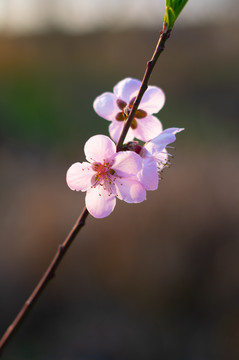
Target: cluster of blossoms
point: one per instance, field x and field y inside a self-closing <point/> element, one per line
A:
<point x="126" y="174"/>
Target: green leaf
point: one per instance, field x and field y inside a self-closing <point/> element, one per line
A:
<point x="172" y="11"/>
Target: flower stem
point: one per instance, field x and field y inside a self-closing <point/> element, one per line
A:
<point x="164" y="35"/>
<point x="62" y="249"/>
<point x="48" y="275"/>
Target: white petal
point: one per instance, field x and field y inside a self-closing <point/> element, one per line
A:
<point x="115" y="130"/>
<point x="99" y="148"/>
<point x="149" y="173"/>
<point x="153" y="100"/>
<point x="78" y="176"/>
<point x="105" y="106"/>
<point x="127" y="163"/>
<point x="126" y="89"/>
<point x="130" y="190"/>
<point x="173" y="130"/>
<point x="148" y="128"/>
<point x="158" y="143"/>
<point x="99" y="203"/>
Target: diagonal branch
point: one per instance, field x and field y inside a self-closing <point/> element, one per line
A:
<point x="62" y="249"/>
<point x="164" y="35"/>
<point x="48" y="275"/>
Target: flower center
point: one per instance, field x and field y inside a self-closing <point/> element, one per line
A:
<point x="125" y="111"/>
<point x="103" y="173"/>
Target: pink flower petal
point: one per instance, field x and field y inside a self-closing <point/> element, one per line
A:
<point x="173" y="130"/>
<point x="130" y="190"/>
<point x="99" y="203"/>
<point x="99" y="148"/>
<point x="115" y="130"/>
<point x="148" y="128"/>
<point x="158" y="143"/>
<point x="126" y="89"/>
<point x="127" y="163"/>
<point x="78" y="176"/>
<point x="153" y="100"/>
<point x="105" y="106"/>
<point x="149" y="173"/>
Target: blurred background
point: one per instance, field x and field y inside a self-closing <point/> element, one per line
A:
<point x="158" y="280"/>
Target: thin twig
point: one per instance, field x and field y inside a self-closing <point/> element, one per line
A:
<point x="62" y="249"/>
<point x="164" y="35"/>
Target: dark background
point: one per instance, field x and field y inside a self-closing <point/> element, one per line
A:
<point x="157" y="280"/>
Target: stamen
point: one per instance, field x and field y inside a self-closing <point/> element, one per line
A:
<point x="140" y="114"/>
<point x="121" y="104"/>
<point x="126" y="111"/>
<point x="134" y="124"/>
<point x="120" y="116"/>
<point x="104" y="176"/>
<point x="172" y="156"/>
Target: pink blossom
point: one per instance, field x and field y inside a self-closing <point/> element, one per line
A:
<point x="107" y="174"/>
<point x="155" y="157"/>
<point x="116" y="106"/>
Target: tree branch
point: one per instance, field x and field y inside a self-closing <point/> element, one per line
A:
<point x="164" y="35"/>
<point x="48" y="275"/>
<point x="62" y="249"/>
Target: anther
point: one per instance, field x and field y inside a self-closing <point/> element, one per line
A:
<point x="121" y="104"/>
